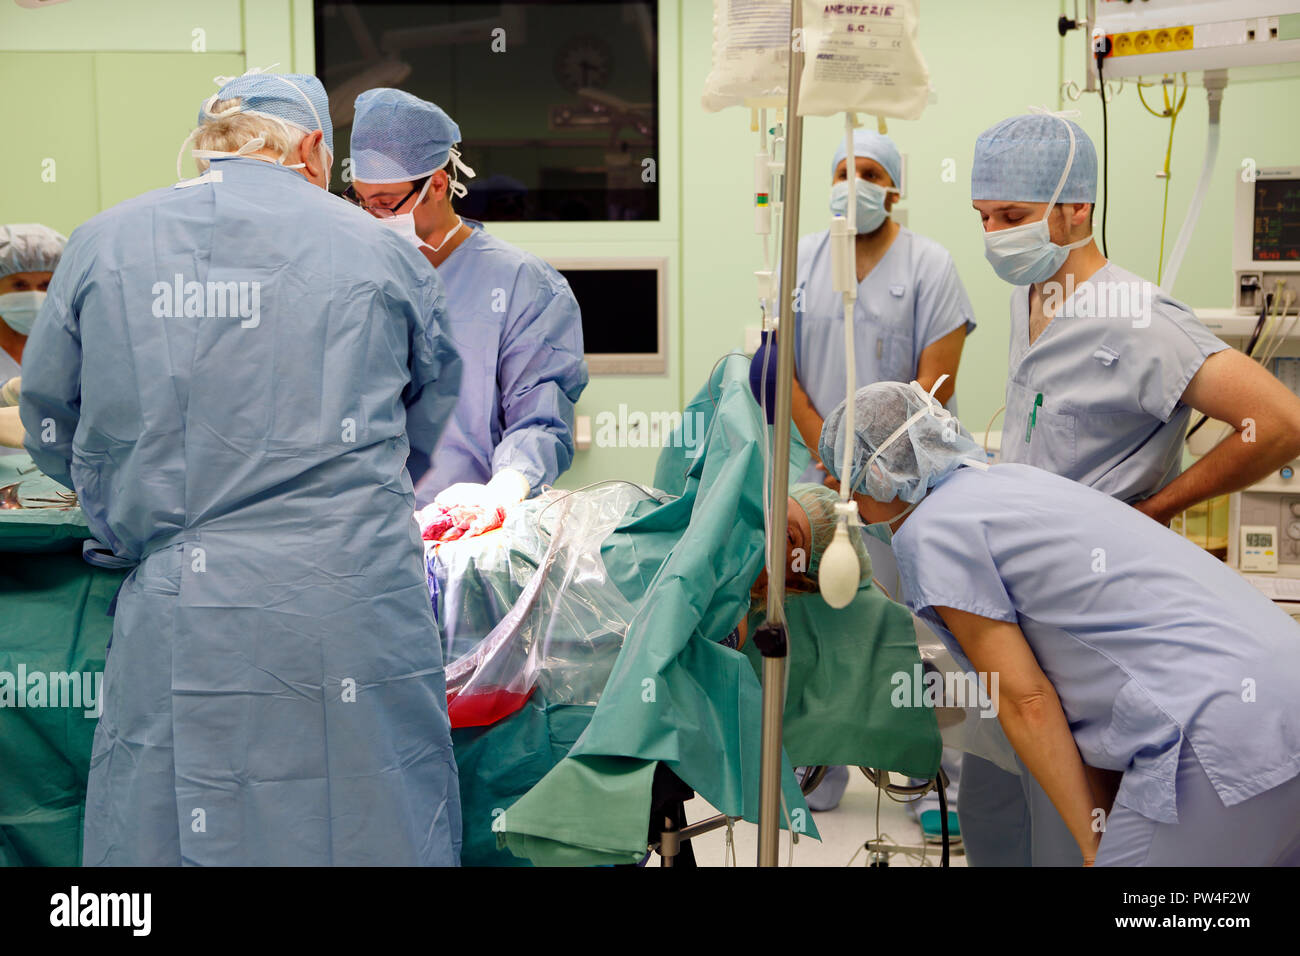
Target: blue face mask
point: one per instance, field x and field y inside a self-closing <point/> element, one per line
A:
<point x="870" y="204"/>
<point x="19" y="309"/>
<point x="881" y="531"/>
<point x="1025" y="254"/>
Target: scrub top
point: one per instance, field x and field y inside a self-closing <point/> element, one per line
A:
<point x="1149" y="641"/>
<point x="911" y="298"/>
<point x="908" y="301"/>
<point x="518" y="329"/>
<point x="9" y="368"/>
<point x="1110" y="370"/>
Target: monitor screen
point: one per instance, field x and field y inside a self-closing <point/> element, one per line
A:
<point x="1276" y="230"/>
<point x="556" y="100"/>
<point x="620" y="309"/>
<point x="624" y="312"/>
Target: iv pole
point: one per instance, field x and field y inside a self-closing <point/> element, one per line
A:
<point x="771" y="639"/>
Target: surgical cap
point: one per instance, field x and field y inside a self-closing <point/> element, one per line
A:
<point x="933" y="446"/>
<point x="397" y="137"/>
<point x="873" y="145"/>
<point x="818" y="503"/>
<point x="29" y="247"/>
<point x="1022" y="158"/>
<point x="295" y="98"/>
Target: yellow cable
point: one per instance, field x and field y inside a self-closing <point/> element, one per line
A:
<point x="1144" y="101"/>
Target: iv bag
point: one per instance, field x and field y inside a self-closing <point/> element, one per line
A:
<point x="751" y="53"/>
<point x="862" y="58"/>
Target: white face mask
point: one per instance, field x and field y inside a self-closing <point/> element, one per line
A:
<point x="404" y="224"/>
<point x="19" y="309"/>
<point x="1025" y="254"/>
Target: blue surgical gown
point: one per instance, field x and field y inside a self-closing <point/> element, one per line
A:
<point x="1111" y="368"/>
<point x="1151" y="643"/>
<point x="517" y="327"/>
<point x="274" y="689"/>
<point x="907" y="302"/>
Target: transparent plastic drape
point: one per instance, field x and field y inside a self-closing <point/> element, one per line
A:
<point x="563" y="631"/>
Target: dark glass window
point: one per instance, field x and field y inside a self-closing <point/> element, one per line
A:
<point x="561" y="124"/>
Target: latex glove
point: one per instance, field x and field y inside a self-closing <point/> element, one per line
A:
<point x="508" y="487"/>
<point x="11" y="428"/>
<point x="10" y="391"/>
<point x="464" y="493"/>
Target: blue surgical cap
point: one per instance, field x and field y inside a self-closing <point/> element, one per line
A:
<point x="1022" y="158"/>
<point x="934" y="446"/>
<point x="29" y="247"/>
<point x="397" y="137"/>
<point x="873" y="145"/>
<point x="295" y="98"/>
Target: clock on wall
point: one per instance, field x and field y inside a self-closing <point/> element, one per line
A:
<point x="583" y="61"/>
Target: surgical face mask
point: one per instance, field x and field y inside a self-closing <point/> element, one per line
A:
<point x="870" y="203"/>
<point x="403" y="224"/>
<point x="1025" y="254"/>
<point x="881" y="530"/>
<point x="19" y="309"/>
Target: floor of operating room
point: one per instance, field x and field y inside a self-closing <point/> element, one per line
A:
<point x="843" y="831"/>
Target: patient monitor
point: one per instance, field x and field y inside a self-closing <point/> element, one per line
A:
<point x="1265" y="234"/>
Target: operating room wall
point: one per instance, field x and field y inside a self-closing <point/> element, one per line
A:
<point x="987" y="61"/>
<point x="103" y="92"/>
<point x="108" y="90"/>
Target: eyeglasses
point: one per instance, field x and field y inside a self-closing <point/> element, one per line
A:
<point x="382" y="212"/>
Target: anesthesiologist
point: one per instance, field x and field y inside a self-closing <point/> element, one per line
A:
<point x="1149" y="689"/>
<point x="29" y="254"/>
<point x="912" y="314"/>
<point x="911" y="319"/>
<point x="1104" y="396"/>
<point x="1105" y="370"/>
<point x="512" y="317"/>
<point x="223" y="372"/>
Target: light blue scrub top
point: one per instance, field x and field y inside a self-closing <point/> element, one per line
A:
<point x="1111" y="376"/>
<point x="8" y="369"/>
<point x="517" y="327"/>
<point x="1149" y="641"/>
<point x="908" y="301"/>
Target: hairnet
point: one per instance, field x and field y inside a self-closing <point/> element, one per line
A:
<point x="294" y="98"/>
<point x="29" y="247"/>
<point x="1022" y="158"/>
<point x="818" y="503"/>
<point x="397" y="137"/>
<point x="873" y="145"/>
<point x="932" y="447"/>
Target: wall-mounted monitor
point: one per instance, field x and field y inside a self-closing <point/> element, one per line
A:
<point x="624" y="303"/>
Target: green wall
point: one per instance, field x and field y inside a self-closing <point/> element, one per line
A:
<point x="108" y="90"/>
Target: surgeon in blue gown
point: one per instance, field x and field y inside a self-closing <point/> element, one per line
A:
<point x="911" y="319"/>
<point x="29" y="253"/>
<point x="223" y="371"/>
<point x="1105" y="372"/>
<point x="512" y="317"/>
<point x="1150" y="690"/>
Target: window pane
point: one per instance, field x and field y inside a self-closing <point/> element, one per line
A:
<point x="557" y="101"/>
